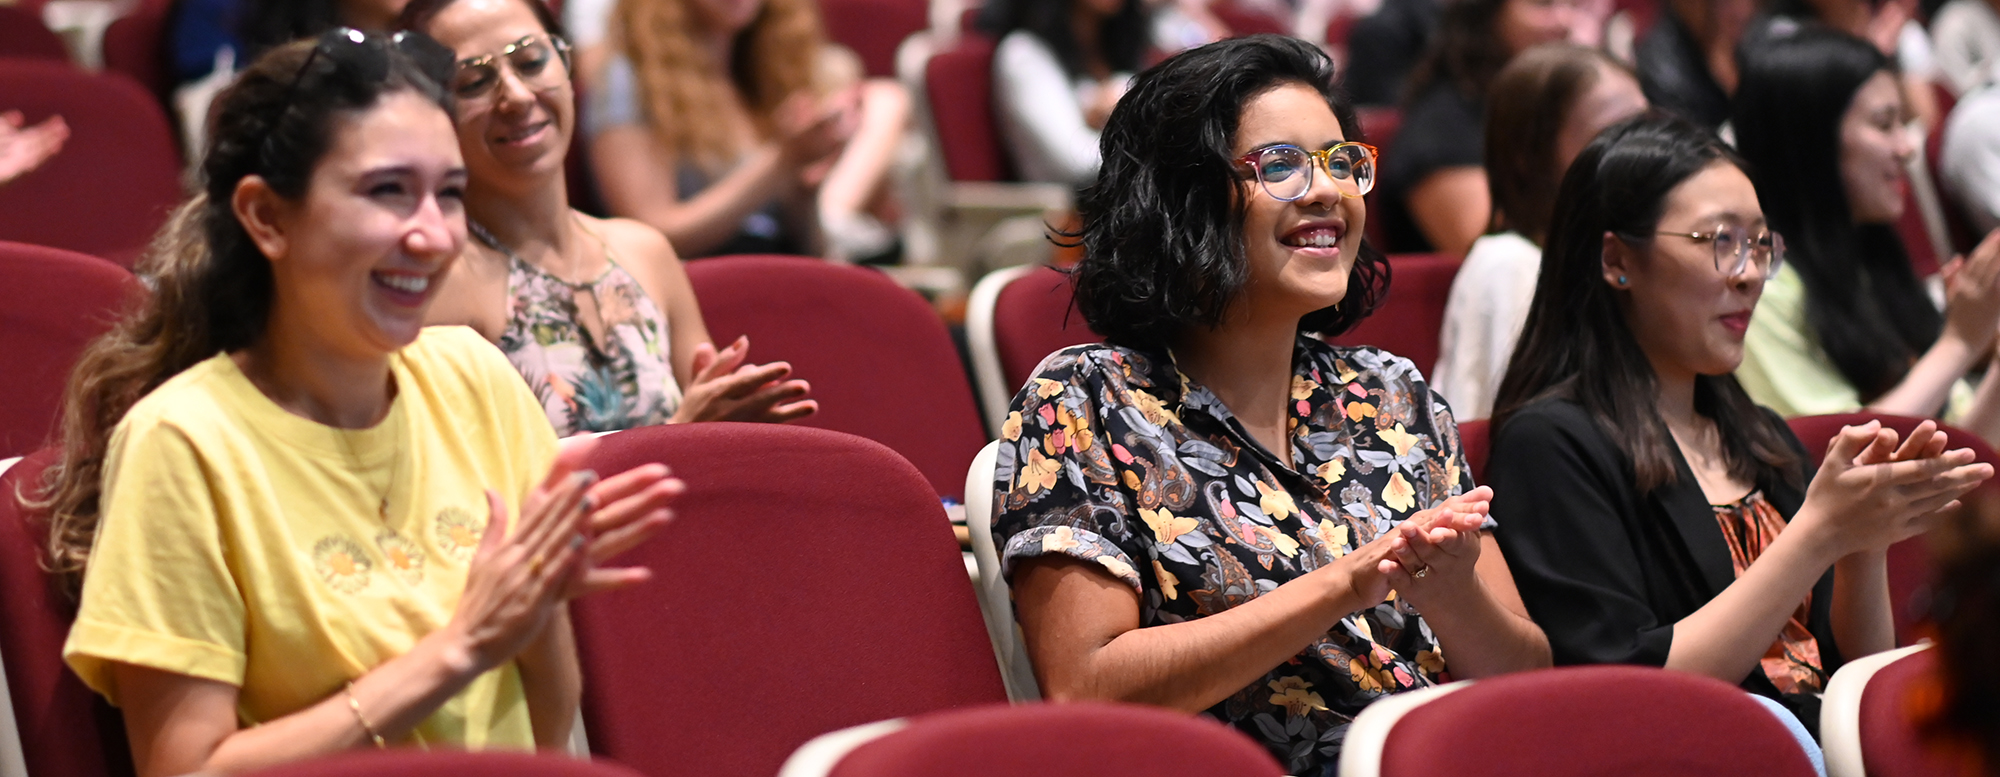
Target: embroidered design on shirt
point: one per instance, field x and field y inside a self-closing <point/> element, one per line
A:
<point x="406" y="560"/>
<point x="458" y="532"/>
<point x="342" y="564"/>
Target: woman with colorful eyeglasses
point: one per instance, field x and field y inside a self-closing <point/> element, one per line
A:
<point x="304" y="522"/>
<point x="596" y="314"/>
<point x="1847" y="324"/>
<point x="1651" y="512"/>
<point x="1215" y="510"/>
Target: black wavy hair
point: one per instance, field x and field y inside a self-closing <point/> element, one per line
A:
<point x="1122" y="39"/>
<point x="1864" y="304"/>
<point x="1466" y="51"/>
<point x="1576" y="344"/>
<point x="1162" y="227"/>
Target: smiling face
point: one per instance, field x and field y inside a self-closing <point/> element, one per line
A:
<point x="1686" y="315"/>
<point x="380" y="221"/>
<point x="515" y="134"/>
<point x="1874" y="149"/>
<point x="1299" y="252"/>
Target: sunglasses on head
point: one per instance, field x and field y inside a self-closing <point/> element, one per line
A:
<point x="365" y="57"/>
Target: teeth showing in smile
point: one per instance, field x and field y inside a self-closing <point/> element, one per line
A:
<point x="1319" y="238"/>
<point x="414" y="284"/>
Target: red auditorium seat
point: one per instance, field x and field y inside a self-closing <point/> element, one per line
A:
<point x="52" y="304"/>
<point x="1476" y="438"/>
<point x="1046" y="740"/>
<point x="135" y="45"/>
<point x="874" y="28"/>
<point x="1409" y="320"/>
<point x="23" y="36"/>
<point x="66" y="730"/>
<point x="1574" y="722"/>
<point x="1378" y="126"/>
<point x="1866" y="719"/>
<point x="810" y="583"/>
<point x="113" y="183"/>
<point x="417" y="763"/>
<point x="1014" y="319"/>
<point x="958" y="86"/>
<point x="880" y="361"/>
<point x="1243" y="20"/>
<point x="1909" y="560"/>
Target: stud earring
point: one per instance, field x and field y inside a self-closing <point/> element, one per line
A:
<point x="1621" y="280"/>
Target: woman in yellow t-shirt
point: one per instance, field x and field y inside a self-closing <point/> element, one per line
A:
<point x="289" y="503"/>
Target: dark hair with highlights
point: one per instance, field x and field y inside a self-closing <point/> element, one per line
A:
<point x="212" y="288"/>
<point x="1576" y="344"/>
<point x="1162" y="227"/>
<point x="1531" y="100"/>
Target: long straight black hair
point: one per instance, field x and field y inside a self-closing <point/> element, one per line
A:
<point x="1576" y="344"/>
<point x="1864" y="304"/>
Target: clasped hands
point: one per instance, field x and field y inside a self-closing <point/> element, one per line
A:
<point x="1434" y="550"/>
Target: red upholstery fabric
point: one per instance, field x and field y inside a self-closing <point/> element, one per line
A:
<point x="1644" y="13"/>
<point x="879" y="359"/>
<point x="1890" y="744"/>
<point x="1059" y="740"/>
<point x="416" y="763"/>
<point x="958" y="86"/>
<point x="1412" y="316"/>
<point x="1477" y="439"/>
<point x="810" y="583"/>
<point x="1590" y="721"/>
<point x="116" y="178"/>
<point x="1034" y="317"/>
<point x="1244" y="20"/>
<point x="874" y="28"/>
<point x="1909" y="560"/>
<point x="1379" y="126"/>
<point x="66" y="730"/>
<point x="135" y="45"/>
<point x="1916" y="236"/>
<point x="23" y="36"/>
<point x="52" y="304"/>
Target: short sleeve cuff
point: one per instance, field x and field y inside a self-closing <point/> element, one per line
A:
<point x="1080" y="544"/>
<point x="94" y="646"/>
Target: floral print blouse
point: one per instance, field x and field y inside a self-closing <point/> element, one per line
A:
<point x="585" y="385"/>
<point x="1113" y="457"/>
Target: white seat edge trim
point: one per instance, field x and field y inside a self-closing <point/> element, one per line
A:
<point x="979" y="309"/>
<point x="1840" y="710"/>
<point x="1361" y="752"/>
<point x="13" y="760"/>
<point x="996" y="604"/>
<point x="818" y="756"/>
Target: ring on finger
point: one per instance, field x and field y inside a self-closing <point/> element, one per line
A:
<point x="1421" y="572"/>
<point x="535" y="564"/>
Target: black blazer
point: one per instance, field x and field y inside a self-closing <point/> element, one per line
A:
<point x="1606" y="571"/>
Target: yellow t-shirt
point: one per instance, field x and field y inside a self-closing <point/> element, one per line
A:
<point x="243" y="544"/>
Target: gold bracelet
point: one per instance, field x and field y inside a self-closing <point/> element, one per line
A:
<point x="355" y="705"/>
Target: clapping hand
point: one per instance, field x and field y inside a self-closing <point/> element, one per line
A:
<point x="1437" y="548"/>
<point x="725" y="388"/>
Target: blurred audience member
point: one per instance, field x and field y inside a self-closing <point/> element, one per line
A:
<point x="1687" y="61"/>
<point x="1891" y="25"/>
<point x="1060" y="67"/>
<point x="1846" y="324"/>
<point x="1965" y="609"/>
<point x="1432" y="175"/>
<point x="305" y="523"/>
<point x="1385" y="46"/>
<point x="249" y="27"/>
<point x="733" y="127"/>
<point x="1544" y="108"/>
<point x="1652" y="513"/>
<point x="24" y="148"/>
<point x="1970" y="160"/>
<point x="589" y="25"/>
<point x="596" y="314"/>
<point x="1966" y="34"/>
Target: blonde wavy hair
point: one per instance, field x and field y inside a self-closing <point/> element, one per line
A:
<point x="773" y="58"/>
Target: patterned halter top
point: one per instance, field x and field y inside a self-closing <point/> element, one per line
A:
<point x="585" y="385"/>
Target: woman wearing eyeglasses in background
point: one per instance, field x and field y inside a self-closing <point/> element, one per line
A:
<point x="1209" y="511"/>
<point x="596" y="314"/>
<point x="1651" y="512"/>
<point x="1847" y="324"/>
<point x="318" y="525"/>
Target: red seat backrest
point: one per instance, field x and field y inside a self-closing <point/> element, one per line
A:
<point x="52" y="304"/>
<point x="1593" y="720"/>
<point x="958" y="87"/>
<point x="811" y="582"/>
<point x="874" y="28"/>
<point x="1060" y="740"/>
<point x="66" y="730"/>
<point x="1034" y="317"/>
<point x="879" y="359"/>
<point x="115" y="180"/>
<point x="1379" y="126"/>
<point x="1909" y="561"/>
<point x="1243" y="20"/>
<point x="418" y="763"/>
<point x="1891" y="746"/>
<point x="23" y="36"/>
<point x="135" y="45"/>
<point x="1412" y="316"/>
<point x="1476" y="437"/>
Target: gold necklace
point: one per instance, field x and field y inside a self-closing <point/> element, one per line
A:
<point x="395" y="464"/>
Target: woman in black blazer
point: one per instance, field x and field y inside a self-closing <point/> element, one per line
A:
<point x="1652" y="514"/>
